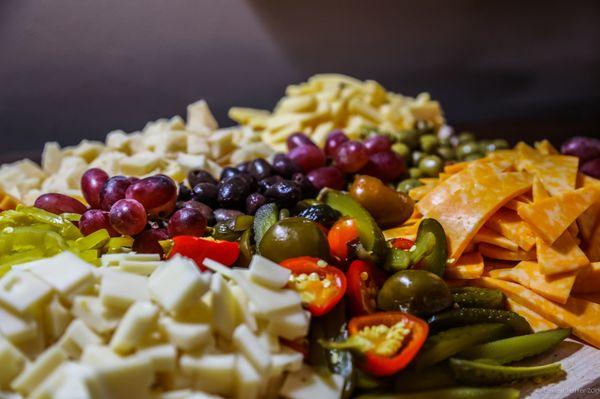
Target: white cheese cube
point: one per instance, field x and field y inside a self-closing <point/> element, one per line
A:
<point x="224" y="306"/>
<point x="132" y="375"/>
<point x="249" y="344"/>
<point x="218" y="267"/>
<point x="199" y="117"/>
<point x="268" y="273"/>
<point x="38" y="371"/>
<point x="199" y="312"/>
<point x="95" y="314"/>
<point x="64" y="272"/>
<point x="244" y="313"/>
<point x="96" y="356"/>
<point x="56" y="319"/>
<point x="306" y="384"/>
<point x="177" y="284"/>
<point x="197" y="144"/>
<point x="144" y="268"/>
<point x="120" y="290"/>
<point x="140" y="164"/>
<point x="187" y="336"/>
<point x="188" y="161"/>
<point x="183" y="394"/>
<point x="77" y="337"/>
<point x="247" y="380"/>
<point x="33" y="346"/>
<point x="211" y="373"/>
<point x="137" y="322"/>
<point x="163" y="357"/>
<point x="21" y="291"/>
<point x="270" y="341"/>
<point x="51" y="384"/>
<point x="51" y="157"/>
<point x="15" y="328"/>
<point x="267" y="301"/>
<point x="12" y="361"/>
<point x="290" y="325"/>
<point x="288" y="360"/>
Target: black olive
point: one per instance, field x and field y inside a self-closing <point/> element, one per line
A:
<point x="229" y="172"/>
<point x="196" y="176"/>
<point x="284" y="166"/>
<point x="226" y="215"/>
<point x="266" y="183"/>
<point x="306" y="187"/>
<point x="259" y="169"/>
<point x="285" y="193"/>
<point x="184" y="194"/>
<point x="232" y="192"/>
<point x="253" y="202"/>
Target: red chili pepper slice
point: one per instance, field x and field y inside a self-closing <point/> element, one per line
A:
<point x="342" y="233"/>
<point x="403" y="243"/>
<point x="320" y="286"/>
<point x="198" y="249"/>
<point x="383" y="365"/>
<point x="364" y="282"/>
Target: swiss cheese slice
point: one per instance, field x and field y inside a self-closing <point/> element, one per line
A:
<point x="468" y="266"/>
<point x="465" y="201"/>
<point x="510" y="225"/>
<point x="494" y="252"/>
<point x="562" y="256"/>
<point x="528" y="274"/>
<point x="537" y="322"/>
<point x="490" y="236"/>
<point x="581" y="315"/>
<point x="588" y="280"/>
<point x="550" y="217"/>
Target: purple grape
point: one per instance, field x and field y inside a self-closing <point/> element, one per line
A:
<point x="59" y="203"/>
<point x="128" y="217"/>
<point x="586" y="148"/>
<point x="197" y="176"/>
<point x="94" y="220"/>
<point x="283" y="166"/>
<point x="307" y="157"/>
<point x="114" y="189"/>
<point x="158" y="194"/>
<point x="386" y="165"/>
<point x="205" y="209"/>
<point x="259" y="169"/>
<point x="297" y="140"/>
<point x="327" y="176"/>
<point x="351" y="156"/>
<point x="378" y="143"/>
<point x="147" y="242"/>
<point x="92" y="182"/>
<point x="334" y="140"/>
<point x="253" y="202"/>
<point x="206" y="193"/>
<point x="187" y="222"/>
<point x="592" y="168"/>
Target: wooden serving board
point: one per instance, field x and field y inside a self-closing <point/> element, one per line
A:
<point x="582" y="379"/>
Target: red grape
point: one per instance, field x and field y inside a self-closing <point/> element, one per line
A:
<point x="187" y="222"/>
<point x="59" y="203"/>
<point x="327" y="176"/>
<point x="351" y="156"/>
<point x="377" y="144"/>
<point x="307" y="157"/>
<point x="158" y="194"/>
<point x="298" y="139"/>
<point x="147" y="242"/>
<point x="128" y="217"/>
<point x="334" y="140"/>
<point x="592" y="168"/>
<point x="92" y="182"/>
<point x="114" y="189"/>
<point x="94" y="220"/>
<point x="385" y="165"/>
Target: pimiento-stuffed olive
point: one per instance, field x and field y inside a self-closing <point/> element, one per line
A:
<point x="294" y="237"/>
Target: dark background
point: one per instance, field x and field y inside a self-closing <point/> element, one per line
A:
<point x="74" y="69"/>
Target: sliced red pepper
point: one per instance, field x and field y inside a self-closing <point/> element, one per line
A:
<point x="364" y="282"/>
<point x="402" y="243"/>
<point x="341" y="235"/>
<point x="320" y="286"/>
<point x="383" y="365"/>
<point x="198" y="249"/>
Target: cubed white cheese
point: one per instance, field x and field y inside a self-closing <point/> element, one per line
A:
<point x="51" y="384"/>
<point x="306" y="384"/>
<point x="287" y="360"/>
<point x="12" y="361"/>
<point x="197" y="144"/>
<point x="224" y="306"/>
<point x="56" y="319"/>
<point x="244" y="313"/>
<point x="267" y="301"/>
<point x="290" y="325"/>
<point x="120" y="290"/>
<point x="217" y="267"/>
<point x="248" y="380"/>
<point x="33" y="346"/>
<point x="199" y="117"/>
<point x="17" y="329"/>
<point x="249" y="344"/>
<point x="96" y="356"/>
<point x="199" y="312"/>
<point x="163" y="357"/>
<point x="64" y="272"/>
<point x="144" y="268"/>
<point x="268" y="273"/>
<point x="137" y="322"/>
<point x="95" y="314"/>
<point x="270" y="341"/>
<point x="211" y="373"/>
<point x="177" y="284"/>
<point x="77" y="337"/>
<point x="188" y="161"/>
<point x="140" y="164"/>
<point x="21" y="290"/>
<point x="187" y="336"/>
<point x="132" y="375"/>
<point x="36" y="372"/>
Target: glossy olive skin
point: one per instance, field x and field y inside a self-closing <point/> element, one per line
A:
<point x="294" y="237"/>
<point x="415" y="291"/>
<point x="389" y="207"/>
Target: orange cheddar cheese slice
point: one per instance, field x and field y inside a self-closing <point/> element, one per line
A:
<point x="538" y="190"/>
<point x="550" y="217"/>
<point x="468" y="266"/>
<point x="494" y="252"/>
<point x="466" y="200"/>
<point x="545" y="148"/>
<point x="509" y="224"/>
<point x="588" y="279"/>
<point x="419" y="192"/>
<point x="593" y="248"/>
<point x="562" y="256"/>
<point x="515" y="204"/>
<point x="588" y="219"/>
<point x="429" y="180"/>
<point x="455" y="167"/>
<point x="579" y="314"/>
<point x="537" y="322"/>
<point x="528" y="274"/>
<point x="404" y="231"/>
<point x="489" y="236"/>
<point x="7" y="201"/>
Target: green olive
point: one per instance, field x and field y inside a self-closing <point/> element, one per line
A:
<point x="415" y="173"/>
<point x="409" y="137"/>
<point x="429" y="143"/>
<point x="416" y="157"/>
<point x="406" y="185"/>
<point x="431" y="165"/>
<point x="467" y="148"/>
<point x="501" y="144"/>
<point x="293" y="237"/>
<point x="446" y="152"/>
<point x="415" y="291"/>
<point x="401" y="149"/>
<point x="466" y="137"/>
